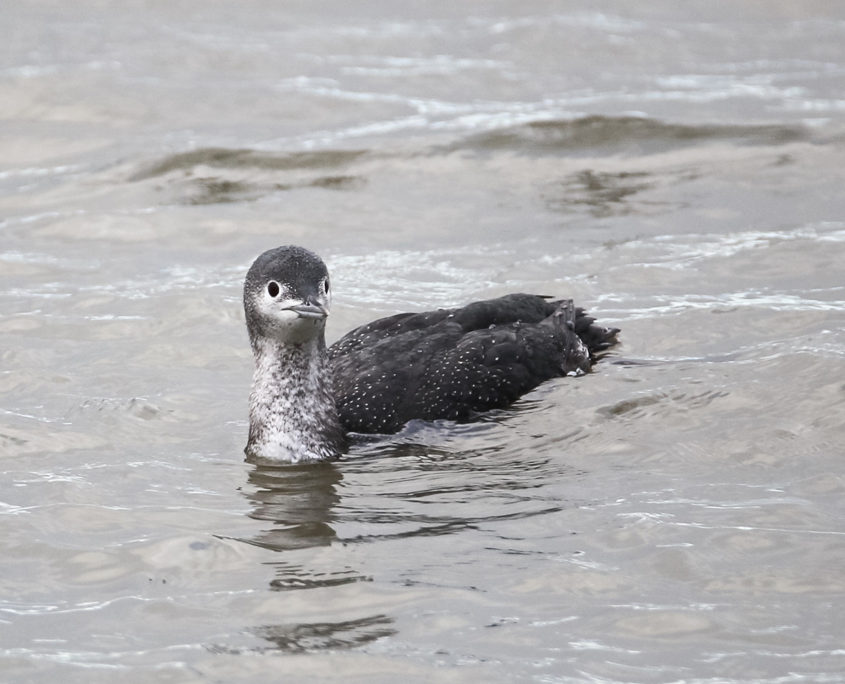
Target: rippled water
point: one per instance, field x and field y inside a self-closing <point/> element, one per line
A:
<point x="676" y="516"/>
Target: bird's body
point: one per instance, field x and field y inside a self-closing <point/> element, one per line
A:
<point x="454" y="363"/>
<point x="446" y="364"/>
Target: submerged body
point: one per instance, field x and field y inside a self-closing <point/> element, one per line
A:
<point x="450" y="364"/>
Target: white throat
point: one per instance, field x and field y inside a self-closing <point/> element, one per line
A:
<point x="292" y="413"/>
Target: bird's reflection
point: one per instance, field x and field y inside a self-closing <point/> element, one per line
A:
<point x="298" y="501"/>
<point x="333" y="636"/>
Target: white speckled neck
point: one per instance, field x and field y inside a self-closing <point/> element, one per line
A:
<point x="292" y="413"/>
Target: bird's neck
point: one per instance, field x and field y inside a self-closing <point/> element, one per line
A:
<point x="292" y="412"/>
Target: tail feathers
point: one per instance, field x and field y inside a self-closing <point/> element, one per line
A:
<point x="598" y="338"/>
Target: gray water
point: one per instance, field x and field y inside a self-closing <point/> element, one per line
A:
<point x="677" y="168"/>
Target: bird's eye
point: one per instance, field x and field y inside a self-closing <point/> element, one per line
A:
<point x="326" y="285"/>
<point x="273" y="288"/>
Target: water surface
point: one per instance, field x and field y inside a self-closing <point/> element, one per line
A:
<point x="676" y="516"/>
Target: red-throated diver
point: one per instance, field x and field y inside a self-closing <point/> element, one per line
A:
<point x="450" y="363"/>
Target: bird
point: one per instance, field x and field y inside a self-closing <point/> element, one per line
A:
<point x="450" y="363"/>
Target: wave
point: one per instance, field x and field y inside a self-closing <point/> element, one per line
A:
<point x="224" y="158"/>
<point x="601" y="135"/>
<point x="597" y="135"/>
<point x="214" y="175"/>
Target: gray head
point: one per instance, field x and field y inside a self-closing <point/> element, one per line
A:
<point x="286" y="296"/>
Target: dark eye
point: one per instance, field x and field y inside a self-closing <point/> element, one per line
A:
<point x="273" y="288"/>
<point x="326" y="285"/>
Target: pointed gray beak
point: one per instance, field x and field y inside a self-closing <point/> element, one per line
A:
<point x="309" y="310"/>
